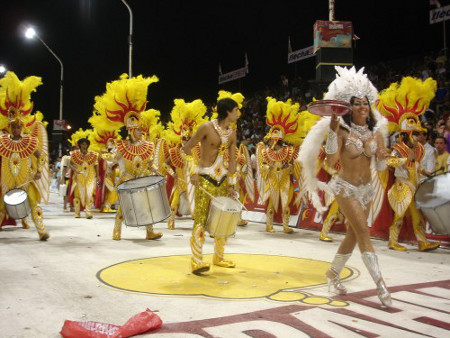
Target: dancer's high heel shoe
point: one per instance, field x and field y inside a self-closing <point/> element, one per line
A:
<point x="371" y="262"/>
<point x="334" y="283"/>
<point x="333" y="274"/>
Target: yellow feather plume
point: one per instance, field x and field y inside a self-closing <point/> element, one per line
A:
<point x="238" y="97"/>
<point x="150" y="121"/>
<point x="306" y="121"/>
<point x="16" y="94"/>
<point x="99" y="139"/>
<point x="284" y="117"/>
<point x="409" y="99"/>
<point x="185" y="117"/>
<point x="123" y="96"/>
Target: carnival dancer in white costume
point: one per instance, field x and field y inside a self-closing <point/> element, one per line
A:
<point x="355" y="140"/>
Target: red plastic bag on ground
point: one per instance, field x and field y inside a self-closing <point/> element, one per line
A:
<point x="140" y="323"/>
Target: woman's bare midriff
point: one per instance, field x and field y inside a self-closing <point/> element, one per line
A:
<point x="355" y="171"/>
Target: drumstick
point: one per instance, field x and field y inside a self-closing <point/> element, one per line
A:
<point x="24" y="184"/>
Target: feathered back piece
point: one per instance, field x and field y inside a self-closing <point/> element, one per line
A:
<point x="402" y="103"/>
<point x="282" y="118"/>
<point x="185" y="117"/>
<point x="125" y="99"/>
<point x="350" y="82"/>
<point x="15" y="98"/>
<point x="102" y="140"/>
<point x="151" y="124"/>
<point x="79" y="134"/>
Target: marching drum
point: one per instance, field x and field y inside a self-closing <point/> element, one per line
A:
<point x="183" y="207"/>
<point x="224" y="215"/>
<point x="433" y="198"/>
<point x="16" y="202"/>
<point x="144" y="201"/>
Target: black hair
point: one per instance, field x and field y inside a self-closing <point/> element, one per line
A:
<point x="442" y="137"/>
<point x="224" y="106"/>
<point x="370" y="120"/>
<point x="123" y="132"/>
<point x="83" y="140"/>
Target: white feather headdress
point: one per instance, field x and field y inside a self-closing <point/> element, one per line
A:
<point x="350" y="82"/>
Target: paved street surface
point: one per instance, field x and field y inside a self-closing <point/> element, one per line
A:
<point x="277" y="289"/>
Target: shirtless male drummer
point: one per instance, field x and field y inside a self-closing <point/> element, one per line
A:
<point x="215" y="174"/>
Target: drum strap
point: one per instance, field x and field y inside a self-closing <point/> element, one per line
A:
<point x="212" y="180"/>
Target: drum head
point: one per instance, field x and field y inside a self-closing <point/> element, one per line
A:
<point x="328" y="107"/>
<point x="15" y="197"/>
<point x="141" y="182"/>
<point x="433" y="192"/>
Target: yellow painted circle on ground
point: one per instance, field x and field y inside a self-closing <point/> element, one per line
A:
<point x="255" y="276"/>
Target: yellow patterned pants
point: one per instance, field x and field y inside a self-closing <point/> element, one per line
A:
<point x="202" y="201"/>
<point x="417" y="223"/>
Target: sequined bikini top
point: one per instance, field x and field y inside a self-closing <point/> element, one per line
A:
<point x="361" y="140"/>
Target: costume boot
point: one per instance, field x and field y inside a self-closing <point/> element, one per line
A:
<point x="428" y="246"/>
<point x="286" y="216"/>
<point x="197" y="240"/>
<point x="333" y="274"/>
<point x="371" y="262"/>
<point x="171" y="221"/>
<point x="219" y="250"/>
<point x="394" y="231"/>
<point x="87" y="209"/>
<point x="25" y="224"/>
<point x="327" y="224"/>
<point x="151" y="235"/>
<point x="118" y="225"/>
<point x="77" y="207"/>
<point x="36" y="215"/>
<point x="269" y="224"/>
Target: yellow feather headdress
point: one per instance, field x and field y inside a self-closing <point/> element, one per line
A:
<point x="15" y="98"/>
<point x="151" y="124"/>
<point x="186" y="117"/>
<point x="403" y="103"/>
<point x="124" y="101"/>
<point x="79" y="134"/>
<point x="101" y="140"/>
<point x="238" y="97"/>
<point x="283" y="119"/>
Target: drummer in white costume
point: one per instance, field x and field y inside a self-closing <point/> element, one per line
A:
<point x="217" y="140"/>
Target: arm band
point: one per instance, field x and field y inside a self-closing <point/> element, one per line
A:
<point x="331" y="147"/>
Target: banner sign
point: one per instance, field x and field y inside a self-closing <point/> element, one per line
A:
<point x="439" y="14"/>
<point x="59" y="124"/>
<point x="334" y="34"/>
<point x="235" y="74"/>
<point x="300" y="54"/>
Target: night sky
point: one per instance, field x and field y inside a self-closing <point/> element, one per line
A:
<point x="182" y="42"/>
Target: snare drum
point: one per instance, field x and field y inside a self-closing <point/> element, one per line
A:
<point x="224" y="215"/>
<point x="16" y="202"/>
<point x="433" y="198"/>
<point x="144" y="201"/>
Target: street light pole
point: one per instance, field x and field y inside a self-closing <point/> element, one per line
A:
<point x="130" y="40"/>
<point x="31" y="33"/>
